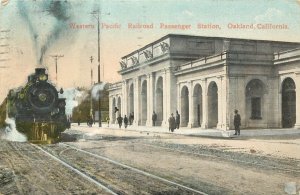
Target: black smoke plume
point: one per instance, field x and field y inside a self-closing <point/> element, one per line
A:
<point x="60" y="11"/>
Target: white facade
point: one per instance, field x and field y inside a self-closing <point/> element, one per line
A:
<point x="206" y="79"/>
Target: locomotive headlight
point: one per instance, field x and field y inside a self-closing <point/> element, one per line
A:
<point x="42" y="97"/>
<point x="43" y="77"/>
<point x="21" y="95"/>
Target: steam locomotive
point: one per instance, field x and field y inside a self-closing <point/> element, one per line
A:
<point x="37" y="109"/>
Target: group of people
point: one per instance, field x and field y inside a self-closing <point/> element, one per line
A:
<point x="126" y="120"/>
<point x="174" y="122"/>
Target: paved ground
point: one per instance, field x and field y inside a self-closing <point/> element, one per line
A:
<point x="278" y="142"/>
<point x="257" y="162"/>
<point x="204" y="132"/>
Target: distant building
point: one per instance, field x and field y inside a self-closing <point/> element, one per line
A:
<point x="206" y="79"/>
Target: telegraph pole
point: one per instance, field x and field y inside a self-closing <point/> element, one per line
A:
<point x="96" y="14"/>
<point x="99" y="100"/>
<point x="56" y="57"/>
<point x="91" y="110"/>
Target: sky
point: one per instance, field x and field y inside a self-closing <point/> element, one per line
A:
<point x="40" y="29"/>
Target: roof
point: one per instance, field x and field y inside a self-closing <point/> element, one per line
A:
<point x="196" y="36"/>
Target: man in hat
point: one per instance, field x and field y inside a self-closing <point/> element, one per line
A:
<point x="120" y="121"/>
<point x="154" y="118"/>
<point x="237" y="122"/>
<point x="171" y="123"/>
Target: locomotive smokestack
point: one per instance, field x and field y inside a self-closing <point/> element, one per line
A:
<point x="39" y="71"/>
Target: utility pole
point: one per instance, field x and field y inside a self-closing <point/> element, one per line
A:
<point x="96" y="14"/>
<point x="99" y="100"/>
<point x="91" y="110"/>
<point x="56" y="57"/>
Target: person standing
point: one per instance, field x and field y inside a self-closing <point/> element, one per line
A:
<point x="130" y="118"/>
<point x="237" y="122"/>
<point x="107" y="120"/>
<point x="154" y="118"/>
<point x="171" y="123"/>
<point x="125" y="121"/>
<point x="120" y="120"/>
<point x="177" y="119"/>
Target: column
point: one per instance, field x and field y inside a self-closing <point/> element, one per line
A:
<point x="222" y="103"/>
<point x="297" y="81"/>
<point x="220" y="96"/>
<point x="150" y="96"/>
<point x="237" y="100"/>
<point x="169" y="92"/>
<point x="137" y="93"/>
<point x="124" y="100"/>
<point x="111" y="111"/>
<point x="225" y="102"/>
<point x="191" y="106"/>
<point x="272" y="103"/>
<point x="279" y="100"/>
<point x="116" y="113"/>
<point x="205" y="105"/>
<point x="165" y="104"/>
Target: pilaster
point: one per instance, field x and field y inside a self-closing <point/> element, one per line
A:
<point x="297" y="81"/>
<point x="150" y="93"/>
<point x="165" y="99"/>
<point x="204" y="124"/>
<point x="111" y="111"/>
<point x="137" y="93"/>
<point x="220" y="106"/>
<point x="124" y="99"/>
<point x="191" y="106"/>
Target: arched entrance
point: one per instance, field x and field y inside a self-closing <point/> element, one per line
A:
<point x="212" y="101"/>
<point x="159" y="101"/>
<point x="130" y="100"/>
<point x="184" y="106"/>
<point x="119" y="105"/>
<point x="197" y="102"/>
<point x="288" y="103"/>
<point x="144" y="103"/>
<point x="113" y="120"/>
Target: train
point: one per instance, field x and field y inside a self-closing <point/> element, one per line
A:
<point x="38" y="109"/>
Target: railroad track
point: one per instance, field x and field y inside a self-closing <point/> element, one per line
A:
<point x="76" y="170"/>
<point x="113" y="176"/>
<point x="36" y="173"/>
<point x="227" y="157"/>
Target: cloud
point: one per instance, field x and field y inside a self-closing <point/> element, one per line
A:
<point x="271" y="14"/>
<point x="187" y="13"/>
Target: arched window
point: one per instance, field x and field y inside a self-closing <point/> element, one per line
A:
<point x="254" y="95"/>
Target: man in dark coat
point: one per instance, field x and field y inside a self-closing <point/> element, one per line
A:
<point x="120" y="120"/>
<point x="131" y="118"/>
<point x="125" y="121"/>
<point x="154" y="118"/>
<point x="171" y="123"/>
<point x="237" y="122"/>
<point x="177" y="120"/>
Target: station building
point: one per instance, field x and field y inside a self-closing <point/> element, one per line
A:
<point x="206" y="79"/>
